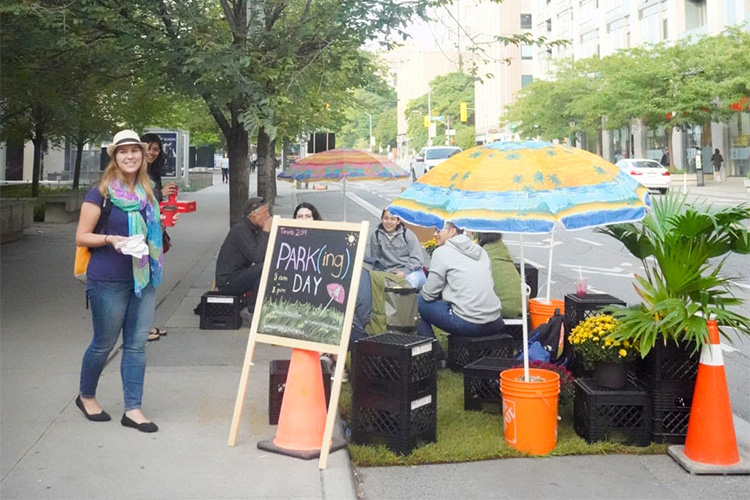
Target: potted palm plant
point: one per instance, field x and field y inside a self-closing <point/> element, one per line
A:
<point x="683" y="248"/>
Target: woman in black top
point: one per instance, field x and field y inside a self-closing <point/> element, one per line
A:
<point x="156" y="159"/>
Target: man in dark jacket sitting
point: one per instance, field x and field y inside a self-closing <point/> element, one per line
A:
<point x="240" y="261"/>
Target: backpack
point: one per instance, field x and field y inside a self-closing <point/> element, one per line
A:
<point x="83" y="254"/>
<point x="547" y="341"/>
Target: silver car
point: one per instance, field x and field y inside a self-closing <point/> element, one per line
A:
<point x="429" y="157"/>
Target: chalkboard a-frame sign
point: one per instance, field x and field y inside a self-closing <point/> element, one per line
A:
<point x="306" y="297"/>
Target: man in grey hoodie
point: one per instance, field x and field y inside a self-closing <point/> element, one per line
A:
<point x="459" y="296"/>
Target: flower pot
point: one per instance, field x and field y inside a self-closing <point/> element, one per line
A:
<point x="530" y="410"/>
<point x="610" y="375"/>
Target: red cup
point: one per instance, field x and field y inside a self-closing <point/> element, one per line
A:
<point x="169" y="211"/>
<point x="582" y="286"/>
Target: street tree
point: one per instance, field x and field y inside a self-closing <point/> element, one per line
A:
<point x="447" y="92"/>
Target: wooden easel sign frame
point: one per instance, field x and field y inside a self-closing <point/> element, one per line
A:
<point x="306" y="300"/>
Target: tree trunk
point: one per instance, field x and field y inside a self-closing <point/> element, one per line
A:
<point x="239" y="171"/>
<point x="266" y="166"/>
<point x="599" y="142"/>
<point x="670" y="130"/>
<point x="38" y="139"/>
<point x="77" y="166"/>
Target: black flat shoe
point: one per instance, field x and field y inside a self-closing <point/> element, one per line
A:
<point x="99" y="417"/>
<point x="144" y="427"/>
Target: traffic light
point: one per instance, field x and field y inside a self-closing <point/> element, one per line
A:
<point x="426" y="121"/>
<point x="463" y="111"/>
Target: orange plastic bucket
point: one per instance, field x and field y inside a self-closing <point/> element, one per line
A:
<point x="530" y="410"/>
<point x="540" y="312"/>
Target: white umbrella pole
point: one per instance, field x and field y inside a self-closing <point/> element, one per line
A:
<point x="549" y="266"/>
<point x="524" y="316"/>
<point x="344" y="191"/>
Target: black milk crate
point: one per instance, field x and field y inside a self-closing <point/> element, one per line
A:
<point x="670" y="425"/>
<point x="220" y="311"/>
<point x="401" y="425"/>
<point x="532" y="278"/>
<point x="601" y="413"/>
<point x="669" y="367"/>
<point x="394" y="365"/>
<point x="277" y="372"/>
<point x="465" y="350"/>
<point x="482" y="383"/>
<point x="671" y="401"/>
<point x="578" y="309"/>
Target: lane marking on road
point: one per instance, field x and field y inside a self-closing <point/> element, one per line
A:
<point x="594" y="290"/>
<point x="595" y="243"/>
<point x="532" y="244"/>
<point x="364" y="204"/>
<point x="587" y="268"/>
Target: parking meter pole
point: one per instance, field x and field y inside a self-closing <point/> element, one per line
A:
<point x="699" y="169"/>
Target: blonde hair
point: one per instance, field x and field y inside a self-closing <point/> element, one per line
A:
<point x="113" y="171"/>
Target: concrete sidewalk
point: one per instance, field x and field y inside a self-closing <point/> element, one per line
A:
<point x="49" y="451"/>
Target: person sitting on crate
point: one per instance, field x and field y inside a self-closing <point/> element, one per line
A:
<point x="396" y="249"/>
<point x="458" y="296"/>
<point x="504" y="274"/>
<point x="240" y="261"/>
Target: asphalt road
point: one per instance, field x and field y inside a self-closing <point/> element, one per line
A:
<point x="609" y="267"/>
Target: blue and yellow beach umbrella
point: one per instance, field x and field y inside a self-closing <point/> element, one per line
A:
<point x="523" y="187"/>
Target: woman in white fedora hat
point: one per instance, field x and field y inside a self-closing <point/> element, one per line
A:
<point x="122" y="280"/>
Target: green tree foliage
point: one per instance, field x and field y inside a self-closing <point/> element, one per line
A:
<point x="673" y="86"/>
<point x="447" y="92"/>
<point x="378" y="100"/>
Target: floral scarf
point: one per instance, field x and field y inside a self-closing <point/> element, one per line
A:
<point x="147" y="268"/>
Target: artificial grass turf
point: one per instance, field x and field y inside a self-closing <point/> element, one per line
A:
<point x="465" y="436"/>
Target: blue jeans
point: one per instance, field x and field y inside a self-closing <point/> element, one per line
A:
<point x="115" y="308"/>
<point x="440" y="314"/>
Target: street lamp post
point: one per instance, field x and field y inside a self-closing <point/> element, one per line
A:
<point x="429" y="113"/>
<point x="369" y="138"/>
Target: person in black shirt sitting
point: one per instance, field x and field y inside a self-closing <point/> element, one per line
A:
<point x="240" y="261"/>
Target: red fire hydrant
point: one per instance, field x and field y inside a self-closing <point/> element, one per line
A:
<point x="172" y="206"/>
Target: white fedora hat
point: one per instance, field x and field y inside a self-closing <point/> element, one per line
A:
<point x="125" y="137"/>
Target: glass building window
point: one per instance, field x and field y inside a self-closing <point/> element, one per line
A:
<point x="695" y="14"/>
<point x="525" y="21"/>
<point x="526" y="79"/>
<point x="526" y="51"/>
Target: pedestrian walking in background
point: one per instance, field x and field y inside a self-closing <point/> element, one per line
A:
<point x="225" y="169"/>
<point x="156" y="160"/>
<point x="121" y="288"/>
<point x="717" y="160"/>
<point x="665" y="159"/>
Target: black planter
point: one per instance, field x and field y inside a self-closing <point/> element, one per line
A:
<point x="611" y="375"/>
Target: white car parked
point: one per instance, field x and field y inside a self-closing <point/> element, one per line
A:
<point x="650" y="173"/>
<point x="430" y="156"/>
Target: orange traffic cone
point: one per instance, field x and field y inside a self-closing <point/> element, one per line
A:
<point x="303" y="413"/>
<point x="711" y="443"/>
